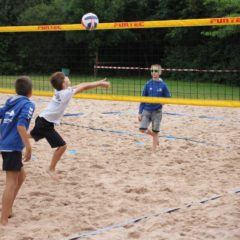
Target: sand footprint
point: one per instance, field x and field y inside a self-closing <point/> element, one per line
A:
<point x="134" y="235"/>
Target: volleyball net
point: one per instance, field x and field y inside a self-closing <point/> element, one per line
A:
<point x="200" y="58"/>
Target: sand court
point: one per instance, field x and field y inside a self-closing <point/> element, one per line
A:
<point x="108" y="176"/>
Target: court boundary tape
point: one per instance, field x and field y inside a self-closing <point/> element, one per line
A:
<point x="135" y="113"/>
<point x="168" y="137"/>
<point x="120" y="132"/>
<point x="119" y="113"/>
<point x="165" y="113"/>
<point x="138" y="219"/>
<point x="217" y="118"/>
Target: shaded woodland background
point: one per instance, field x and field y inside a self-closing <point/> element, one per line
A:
<point x="192" y="47"/>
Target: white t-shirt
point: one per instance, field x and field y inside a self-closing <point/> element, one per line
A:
<point x="57" y="105"/>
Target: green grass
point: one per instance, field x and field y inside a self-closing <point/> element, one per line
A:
<point x="133" y="87"/>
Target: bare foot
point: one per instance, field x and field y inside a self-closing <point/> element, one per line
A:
<point x="11" y="215"/>
<point x="53" y="175"/>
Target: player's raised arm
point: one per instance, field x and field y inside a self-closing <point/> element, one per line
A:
<point x="91" y="85"/>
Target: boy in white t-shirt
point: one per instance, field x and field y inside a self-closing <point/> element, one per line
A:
<point x="44" y="123"/>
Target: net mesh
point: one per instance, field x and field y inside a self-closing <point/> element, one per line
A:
<point x="198" y="62"/>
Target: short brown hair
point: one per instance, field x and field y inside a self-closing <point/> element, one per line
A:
<point x="57" y="79"/>
<point x="23" y="86"/>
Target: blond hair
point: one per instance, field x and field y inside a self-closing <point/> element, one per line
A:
<point x="157" y="66"/>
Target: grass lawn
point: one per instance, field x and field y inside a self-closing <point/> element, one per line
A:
<point x="133" y="87"/>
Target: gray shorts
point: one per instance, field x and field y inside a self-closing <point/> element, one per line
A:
<point x="154" y="117"/>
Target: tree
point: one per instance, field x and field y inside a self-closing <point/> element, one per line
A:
<point x="10" y="10"/>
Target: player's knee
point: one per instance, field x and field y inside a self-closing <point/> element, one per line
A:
<point x="142" y="130"/>
<point x="63" y="148"/>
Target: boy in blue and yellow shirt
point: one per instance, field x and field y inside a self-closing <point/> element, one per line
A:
<point x="151" y="112"/>
<point x="15" y="117"/>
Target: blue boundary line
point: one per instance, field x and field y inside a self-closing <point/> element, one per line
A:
<point x="168" y="137"/>
<point x="138" y="219"/>
<point x="173" y="114"/>
<point x="134" y="113"/>
<point x="73" y="114"/>
<point x="118" y="113"/>
<point x="166" y="113"/>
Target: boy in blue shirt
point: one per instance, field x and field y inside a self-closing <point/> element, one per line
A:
<point x="15" y="117"/>
<point x="151" y="112"/>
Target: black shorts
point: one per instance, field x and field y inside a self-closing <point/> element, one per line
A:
<point x="12" y="161"/>
<point x="45" y="129"/>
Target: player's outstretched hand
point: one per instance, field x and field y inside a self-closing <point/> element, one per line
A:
<point x="104" y="83"/>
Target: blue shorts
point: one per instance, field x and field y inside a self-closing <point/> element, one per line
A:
<point x="12" y="161"/>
